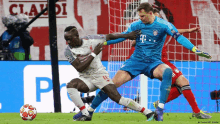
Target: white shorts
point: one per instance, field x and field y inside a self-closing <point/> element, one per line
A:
<point x="96" y="81"/>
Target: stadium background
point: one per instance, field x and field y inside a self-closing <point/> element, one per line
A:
<point x="24" y="82"/>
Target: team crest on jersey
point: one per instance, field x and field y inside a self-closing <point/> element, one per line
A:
<point x="155" y="32"/>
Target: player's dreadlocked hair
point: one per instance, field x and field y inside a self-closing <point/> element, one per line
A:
<point x="69" y="28"/>
<point x="156" y="10"/>
<point x="146" y="6"/>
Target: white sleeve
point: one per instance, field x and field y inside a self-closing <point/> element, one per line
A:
<point x="96" y="37"/>
<point x="69" y="55"/>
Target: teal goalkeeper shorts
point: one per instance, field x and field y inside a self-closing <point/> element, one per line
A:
<point x="135" y="67"/>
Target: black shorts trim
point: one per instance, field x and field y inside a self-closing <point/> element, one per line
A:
<point x="152" y="71"/>
<point x="132" y="76"/>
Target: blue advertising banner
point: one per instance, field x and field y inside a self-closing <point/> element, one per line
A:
<point x="30" y="82"/>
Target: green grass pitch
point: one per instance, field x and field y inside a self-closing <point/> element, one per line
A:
<point x="107" y="118"/>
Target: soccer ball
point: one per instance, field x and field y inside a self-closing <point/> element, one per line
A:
<point x="28" y="112"/>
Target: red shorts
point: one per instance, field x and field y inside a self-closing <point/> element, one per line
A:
<point x="176" y="71"/>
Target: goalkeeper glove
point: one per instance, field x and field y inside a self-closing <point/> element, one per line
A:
<point x="201" y="53"/>
<point x="105" y="43"/>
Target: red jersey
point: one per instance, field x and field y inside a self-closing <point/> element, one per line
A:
<point x="176" y="72"/>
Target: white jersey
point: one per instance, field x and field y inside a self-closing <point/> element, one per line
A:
<point x="84" y="51"/>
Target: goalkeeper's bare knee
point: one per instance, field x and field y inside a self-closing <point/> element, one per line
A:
<point x="121" y="77"/>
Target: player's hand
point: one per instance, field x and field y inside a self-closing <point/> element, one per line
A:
<point x="196" y="29"/>
<point x="201" y="53"/>
<point x="134" y="34"/>
<point x="98" y="48"/>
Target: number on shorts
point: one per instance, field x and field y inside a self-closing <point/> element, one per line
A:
<point x="106" y="78"/>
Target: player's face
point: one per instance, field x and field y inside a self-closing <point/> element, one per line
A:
<point x="157" y="14"/>
<point x="72" y="38"/>
<point x="144" y="16"/>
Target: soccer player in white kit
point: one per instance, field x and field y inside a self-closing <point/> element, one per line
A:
<point x="82" y="54"/>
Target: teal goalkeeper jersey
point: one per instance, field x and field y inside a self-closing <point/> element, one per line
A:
<point x="150" y="43"/>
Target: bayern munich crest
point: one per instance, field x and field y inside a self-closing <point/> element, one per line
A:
<point x="155" y="32"/>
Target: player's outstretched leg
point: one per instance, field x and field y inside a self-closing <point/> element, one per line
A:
<point x="113" y="94"/>
<point x="73" y="88"/>
<point x="164" y="92"/>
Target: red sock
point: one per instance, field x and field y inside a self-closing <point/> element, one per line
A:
<point x="174" y="93"/>
<point x="81" y="108"/>
<point x="190" y="98"/>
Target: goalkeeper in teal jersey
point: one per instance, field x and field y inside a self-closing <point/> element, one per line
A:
<point x="146" y="58"/>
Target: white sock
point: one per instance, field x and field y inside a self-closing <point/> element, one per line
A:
<point x="84" y="111"/>
<point x="91" y="109"/>
<point x="133" y="105"/>
<point x="161" y="105"/>
<point x="75" y="96"/>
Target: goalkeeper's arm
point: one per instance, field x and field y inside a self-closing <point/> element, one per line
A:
<point x="186" y="43"/>
<point x="171" y="30"/>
